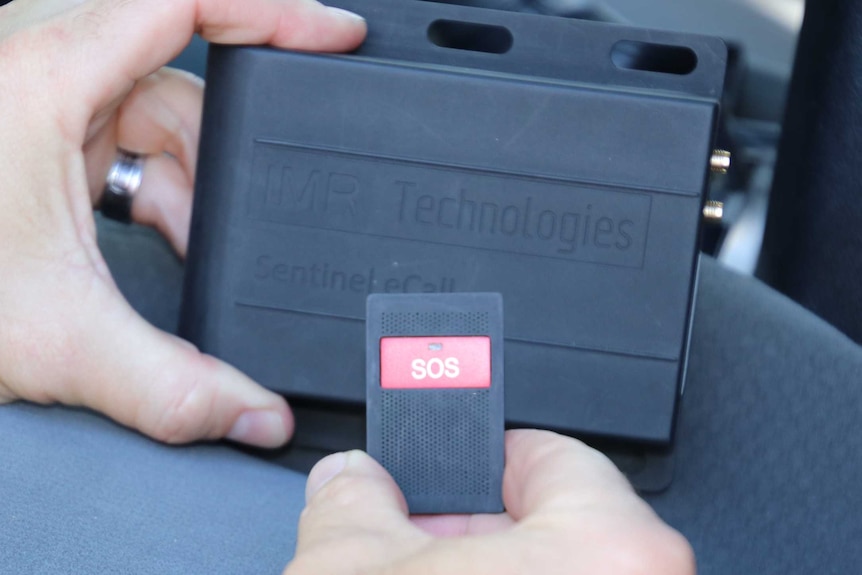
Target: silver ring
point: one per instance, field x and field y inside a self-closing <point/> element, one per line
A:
<point x="123" y="182"/>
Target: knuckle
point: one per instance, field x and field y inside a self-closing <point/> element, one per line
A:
<point x="305" y="517"/>
<point x="185" y="76"/>
<point x="679" y="555"/>
<point x="186" y="404"/>
<point x="661" y="550"/>
<point x="343" y="491"/>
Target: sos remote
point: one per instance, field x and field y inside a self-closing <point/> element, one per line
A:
<point x="435" y="398"/>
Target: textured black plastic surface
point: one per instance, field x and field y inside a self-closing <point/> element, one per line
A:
<point x="546" y="173"/>
<point x="444" y="447"/>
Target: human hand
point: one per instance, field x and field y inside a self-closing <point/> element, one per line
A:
<point x="569" y="511"/>
<point x="80" y="80"/>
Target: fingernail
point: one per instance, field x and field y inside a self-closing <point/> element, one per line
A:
<point x="342" y="13"/>
<point x="323" y="472"/>
<point x="263" y="427"/>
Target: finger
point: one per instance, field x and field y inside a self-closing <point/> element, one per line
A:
<point x="559" y="495"/>
<point x="548" y="471"/>
<point x="160" y="120"/>
<point x="99" y="353"/>
<point x="161" y="114"/>
<point x="558" y="487"/>
<point x="576" y="514"/>
<point x="113" y="43"/>
<point x="460" y="525"/>
<point x="165" y="200"/>
<point x="168" y="389"/>
<point x="351" y="489"/>
<point x="355" y="515"/>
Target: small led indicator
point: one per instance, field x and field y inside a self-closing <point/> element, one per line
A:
<point x="435" y="346"/>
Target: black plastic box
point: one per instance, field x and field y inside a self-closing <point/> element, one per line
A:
<point x="565" y="173"/>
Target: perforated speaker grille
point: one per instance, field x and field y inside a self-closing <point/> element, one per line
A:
<point x="425" y="444"/>
<point x="432" y="323"/>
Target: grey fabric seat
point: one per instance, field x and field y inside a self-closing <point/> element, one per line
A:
<point x="767" y="460"/>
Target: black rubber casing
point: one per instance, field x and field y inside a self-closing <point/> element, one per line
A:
<point x="444" y="447"/>
<point x="549" y="173"/>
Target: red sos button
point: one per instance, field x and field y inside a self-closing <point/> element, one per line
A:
<point x="435" y="362"/>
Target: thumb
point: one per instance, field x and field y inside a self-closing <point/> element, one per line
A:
<point x="167" y="389"/>
<point x="355" y="515"/>
<point x="80" y="343"/>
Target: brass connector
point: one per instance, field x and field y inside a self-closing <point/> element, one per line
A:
<point x="713" y="211"/>
<point x="719" y="162"/>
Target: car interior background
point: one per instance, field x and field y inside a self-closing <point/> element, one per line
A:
<point x="767" y="453"/>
